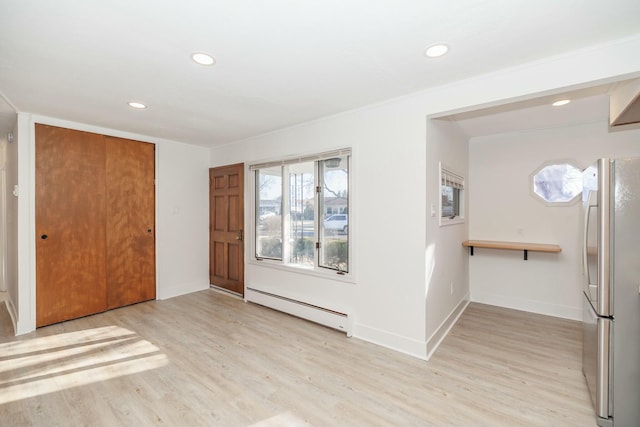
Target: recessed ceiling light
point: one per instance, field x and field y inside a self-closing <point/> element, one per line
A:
<point x="137" y="105"/>
<point x="561" y="102"/>
<point x="203" y="58"/>
<point x="436" y="50"/>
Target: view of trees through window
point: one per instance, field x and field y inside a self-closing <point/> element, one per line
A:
<point x="302" y="216"/>
<point x="268" y="211"/>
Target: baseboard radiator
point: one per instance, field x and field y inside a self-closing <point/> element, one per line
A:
<point x="333" y="319"/>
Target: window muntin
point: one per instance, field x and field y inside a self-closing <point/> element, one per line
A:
<point x="558" y="182"/>
<point x="451" y="197"/>
<point x="311" y="229"/>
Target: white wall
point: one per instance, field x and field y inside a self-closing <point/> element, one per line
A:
<point x="3" y="209"/>
<point x="11" y="215"/>
<point x="390" y="143"/>
<point x="447" y="281"/>
<point x="18" y="217"/>
<point x="182" y="216"/>
<point x="501" y="204"/>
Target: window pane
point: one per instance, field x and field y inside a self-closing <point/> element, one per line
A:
<point x="450" y="201"/>
<point x="334" y="202"/>
<point x="558" y="183"/>
<point x="269" y="213"/>
<point x="300" y="216"/>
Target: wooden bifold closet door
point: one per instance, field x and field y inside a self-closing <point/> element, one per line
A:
<point x="131" y="268"/>
<point x="95" y="223"/>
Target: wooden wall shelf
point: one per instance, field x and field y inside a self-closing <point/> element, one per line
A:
<point x="513" y="246"/>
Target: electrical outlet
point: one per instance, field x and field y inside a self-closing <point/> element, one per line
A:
<point x="451" y="288"/>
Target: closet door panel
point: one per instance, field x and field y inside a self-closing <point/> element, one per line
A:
<point x="70" y="224"/>
<point x="130" y="207"/>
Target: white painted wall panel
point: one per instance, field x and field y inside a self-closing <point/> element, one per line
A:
<point x="182" y="214"/>
<point x="447" y="279"/>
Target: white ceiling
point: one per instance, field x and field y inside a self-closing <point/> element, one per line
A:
<point x="587" y="105"/>
<point x="279" y="62"/>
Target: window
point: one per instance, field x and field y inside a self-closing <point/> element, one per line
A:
<point x="557" y="183"/>
<point x="451" y="197"/>
<point x="302" y="212"/>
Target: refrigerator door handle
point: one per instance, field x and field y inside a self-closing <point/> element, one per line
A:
<point x="604" y="237"/>
<point x="585" y="262"/>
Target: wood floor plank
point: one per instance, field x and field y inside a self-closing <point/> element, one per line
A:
<point x="208" y="359"/>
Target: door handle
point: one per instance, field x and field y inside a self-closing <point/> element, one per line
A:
<point x="44" y="237"/>
<point x="239" y="236"/>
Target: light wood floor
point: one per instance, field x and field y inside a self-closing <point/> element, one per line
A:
<point x="207" y="359"/>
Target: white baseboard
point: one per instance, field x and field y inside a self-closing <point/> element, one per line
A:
<point x="406" y="345"/>
<point x="538" y="307"/>
<point x="20" y="326"/>
<point x="441" y="332"/>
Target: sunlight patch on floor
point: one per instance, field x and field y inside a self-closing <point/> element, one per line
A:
<point x="285" y="419"/>
<point x="43" y="365"/>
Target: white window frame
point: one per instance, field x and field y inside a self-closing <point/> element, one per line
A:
<point x="449" y="175"/>
<point x="316" y="269"/>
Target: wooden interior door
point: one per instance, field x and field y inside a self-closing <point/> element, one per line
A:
<point x="130" y="221"/>
<point x="226" y="227"/>
<point x="70" y="224"/>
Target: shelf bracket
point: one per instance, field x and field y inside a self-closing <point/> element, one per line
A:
<point x="526" y="253"/>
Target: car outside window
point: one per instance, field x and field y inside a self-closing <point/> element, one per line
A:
<point x="301" y="212"/>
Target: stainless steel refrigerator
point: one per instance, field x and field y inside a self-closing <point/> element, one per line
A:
<point x="611" y="260"/>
